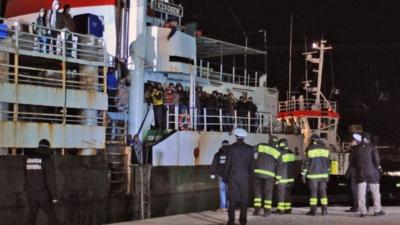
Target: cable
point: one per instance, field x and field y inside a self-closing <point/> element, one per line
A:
<point x="236" y="18"/>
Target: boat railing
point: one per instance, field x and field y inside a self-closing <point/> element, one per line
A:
<point x="306" y="104"/>
<point x="28" y="39"/>
<point x="220" y="120"/>
<point x="228" y="74"/>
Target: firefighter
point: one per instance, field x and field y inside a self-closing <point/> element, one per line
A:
<point x="285" y="177"/>
<point x="40" y="184"/>
<point x="267" y="156"/>
<point x="237" y="174"/>
<point x="315" y="169"/>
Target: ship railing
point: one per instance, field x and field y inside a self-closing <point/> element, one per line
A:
<point x="228" y="74"/>
<point x="52" y="115"/>
<point x="23" y="38"/>
<point x="219" y="120"/>
<point x="50" y="78"/>
<point x="306" y="104"/>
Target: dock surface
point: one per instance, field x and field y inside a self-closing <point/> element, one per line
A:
<point x="336" y="216"/>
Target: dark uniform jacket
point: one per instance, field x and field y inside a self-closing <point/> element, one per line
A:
<point x="40" y="177"/>
<point x="316" y="164"/>
<point x="267" y="161"/>
<point x="239" y="163"/>
<point x="285" y="170"/>
<point x="219" y="160"/>
<point x="366" y="162"/>
<point x="351" y="170"/>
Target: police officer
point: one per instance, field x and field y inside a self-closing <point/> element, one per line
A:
<point x="238" y="170"/>
<point x="367" y="163"/>
<point x="40" y="183"/>
<point x="285" y="177"/>
<point x="315" y="168"/>
<point x="217" y="168"/>
<point x="351" y="172"/>
<point x="267" y="156"/>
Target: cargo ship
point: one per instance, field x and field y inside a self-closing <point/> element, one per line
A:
<point x="61" y="94"/>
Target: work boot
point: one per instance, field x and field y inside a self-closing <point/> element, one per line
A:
<point x="288" y="211"/>
<point x="380" y="213"/>
<point x="313" y="211"/>
<point x="280" y="211"/>
<point x="267" y="212"/>
<point x="324" y="210"/>
<point x="257" y="212"/>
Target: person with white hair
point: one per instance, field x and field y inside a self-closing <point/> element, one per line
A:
<point x="237" y="173"/>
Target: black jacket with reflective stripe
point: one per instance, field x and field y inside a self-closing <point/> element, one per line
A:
<point x="267" y="161"/>
<point x="316" y="165"/>
<point x="285" y="170"/>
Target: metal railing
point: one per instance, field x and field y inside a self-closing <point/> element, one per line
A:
<point x="117" y="118"/>
<point x="206" y="119"/>
<point x="228" y="74"/>
<point x="22" y="38"/>
<point x="306" y="104"/>
<point x="50" y="115"/>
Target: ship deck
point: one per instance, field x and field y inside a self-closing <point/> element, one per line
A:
<point x="336" y="216"/>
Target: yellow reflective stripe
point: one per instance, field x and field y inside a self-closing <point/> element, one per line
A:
<point x="288" y="205"/>
<point x="319" y="152"/>
<point x="304" y="172"/>
<point x="268" y="202"/>
<point x="288" y="157"/>
<point x="317" y="176"/>
<point x="268" y="150"/>
<point x="285" y="181"/>
<point x="264" y="172"/>
<point x="324" y="201"/>
<point x="268" y="206"/>
<point x="257" y="204"/>
<point x="313" y="201"/>
<point x="281" y="205"/>
<point x="278" y="177"/>
<point x="257" y="199"/>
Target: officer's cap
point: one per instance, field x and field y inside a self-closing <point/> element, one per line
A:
<point x="225" y="142"/>
<point x="44" y="143"/>
<point x="240" y="133"/>
<point x="357" y="137"/>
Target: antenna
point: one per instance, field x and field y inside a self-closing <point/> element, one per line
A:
<point x="290" y="57"/>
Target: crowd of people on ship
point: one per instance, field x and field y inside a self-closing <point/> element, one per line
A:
<point x="213" y="108"/>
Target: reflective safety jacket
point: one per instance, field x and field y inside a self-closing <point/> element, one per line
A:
<point x="157" y="98"/>
<point x="285" y="171"/>
<point x="316" y="165"/>
<point x="266" y="161"/>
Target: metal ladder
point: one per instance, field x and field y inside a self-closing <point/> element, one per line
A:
<point x="142" y="190"/>
<point x="117" y="169"/>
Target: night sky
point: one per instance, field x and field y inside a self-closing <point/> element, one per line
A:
<point x="364" y="64"/>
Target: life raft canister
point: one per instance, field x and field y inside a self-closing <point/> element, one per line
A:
<point x="184" y="121"/>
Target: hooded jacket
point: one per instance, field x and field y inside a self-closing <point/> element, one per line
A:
<point x="316" y="165"/>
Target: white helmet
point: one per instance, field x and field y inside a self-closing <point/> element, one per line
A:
<point x="240" y="133"/>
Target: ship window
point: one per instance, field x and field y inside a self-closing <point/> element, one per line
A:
<point x="313" y="122"/>
<point x="181" y="59"/>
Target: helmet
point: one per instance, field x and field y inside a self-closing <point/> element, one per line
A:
<point x="357" y="137"/>
<point x="315" y="137"/>
<point x="44" y="143"/>
<point x="283" y="143"/>
<point x="240" y="133"/>
<point x="273" y="140"/>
